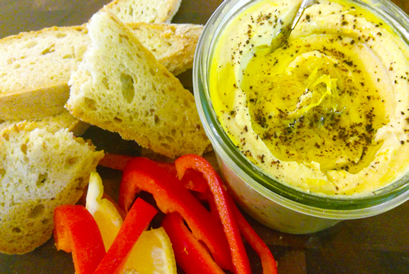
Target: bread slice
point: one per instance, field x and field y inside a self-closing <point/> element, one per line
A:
<point x="35" y="66"/>
<point x="173" y="45"/>
<point x="39" y="170"/>
<point x="152" y="11"/>
<point x="55" y="123"/>
<point x="121" y="87"/>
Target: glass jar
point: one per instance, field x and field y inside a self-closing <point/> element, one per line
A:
<point x="274" y="204"/>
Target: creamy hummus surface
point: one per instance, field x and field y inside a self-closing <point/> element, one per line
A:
<point x="327" y="112"/>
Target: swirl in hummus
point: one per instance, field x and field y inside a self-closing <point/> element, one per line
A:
<point x="327" y="112"/>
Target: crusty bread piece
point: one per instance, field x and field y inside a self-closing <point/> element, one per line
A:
<point x="35" y="66"/>
<point x="152" y="11"/>
<point x="173" y="45"/>
<point x="120" y="86"/>
<point x="55" y="123"/>
<point x="39" y="170"/>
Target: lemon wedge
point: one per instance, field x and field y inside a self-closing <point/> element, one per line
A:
<point x="152" y="253"/>
<point x="107" y="217"/>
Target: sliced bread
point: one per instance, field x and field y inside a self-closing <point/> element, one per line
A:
<point x="35" y="66"/>
<point x="55" y="123"/>
<point x="120" y="86"/>
<point x="173" y="45"/>
<point x="152" y="11"/>
<point x="39" y="170"/>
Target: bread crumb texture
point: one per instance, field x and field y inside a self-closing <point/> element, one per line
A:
<point x="173" y="45"/>
<point x="45" y="58"/>
<point x="121" y="87"/>
<point x="35" y="68"/>
<point x="39" y="170"/>
<point x="152" y="11"/>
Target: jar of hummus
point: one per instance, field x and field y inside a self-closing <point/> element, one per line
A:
<point x="314" y="129"/>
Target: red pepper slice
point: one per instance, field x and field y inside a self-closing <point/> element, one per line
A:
<point x="118" y="162"/>
<point x="115" y="161"/>
<point x="199" y="185"/>
<point x="190" y="254"/>
<point x="171" y="196"/>
<point x="268" y="262"/>
<point x="136" y="221"/>
<point x="239" y="256"/>
<point x="76" y="231"/>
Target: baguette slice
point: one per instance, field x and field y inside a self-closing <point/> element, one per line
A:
<point x="152" y="11"/>
<point x="39" y="170"/>
<point x="173" y="45"/>
<point x="119" y="86"/>
<point x="35" y="66"/>
<point x="55" y="123"/>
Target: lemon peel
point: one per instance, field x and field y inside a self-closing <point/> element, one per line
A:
<point x="107" y="217"/>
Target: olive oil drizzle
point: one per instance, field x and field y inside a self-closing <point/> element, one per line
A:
<point x="324" y="109"/>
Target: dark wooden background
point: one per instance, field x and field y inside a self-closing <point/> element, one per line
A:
<point x="378" y="244"/>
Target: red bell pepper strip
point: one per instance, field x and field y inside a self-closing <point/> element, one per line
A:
<point x="190" y="254"/>
<point x="118" y="162"/>
<point x="76" y="231"/>
<point x="191" y="175"/>
<point x="267" y="260"/>
<point x="115" y="161"/>
<point x="136" y="221"/>
<point x="199" y="185"/>
<point x="239" y="256"/>
<point x="171" y="196"/>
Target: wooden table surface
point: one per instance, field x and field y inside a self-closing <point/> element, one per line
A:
<point x="378" y="244"/>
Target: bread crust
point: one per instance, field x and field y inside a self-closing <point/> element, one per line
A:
<point x="37" y="103"/>
<point x="54" y="123"/>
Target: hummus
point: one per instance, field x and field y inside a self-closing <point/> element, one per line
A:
<point x="326" y="112"/>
